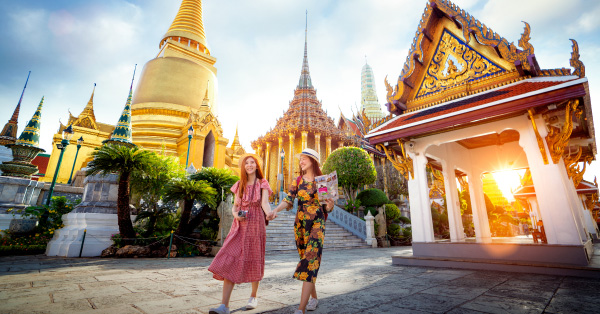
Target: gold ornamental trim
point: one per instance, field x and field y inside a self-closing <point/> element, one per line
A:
<point x="403" y="163"/>
<point x="558" y="139"/>
<point x="538" y="137"/>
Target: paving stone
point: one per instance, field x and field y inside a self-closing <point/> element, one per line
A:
<point x="496" y="305"/>
<point x="454" y="291"/>
<point x="426" y="303"/>
<point x="175" y="304"/>
<point x="537" y="295"/>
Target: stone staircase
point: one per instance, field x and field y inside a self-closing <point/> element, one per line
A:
<point x="280" y="235"/>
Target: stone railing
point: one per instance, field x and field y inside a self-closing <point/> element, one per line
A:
<point x="355" y="225"/>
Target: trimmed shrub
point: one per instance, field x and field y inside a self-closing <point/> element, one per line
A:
<point x="394" y="230"/>
<point x="372" y="209"/>
<point x="354" y="169"/>
<point x="391" y="212"/>
<point x="372" y="197"/>
<point x="404" y="220"/>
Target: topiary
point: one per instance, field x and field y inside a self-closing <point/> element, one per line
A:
<point x="371" y="209"/>
<point x="354" y="168"/>
<point x="372" y="197"/>
<point x="394" y="230"/>
<point x="404" y="220"/>
<point x="391" y="212"/>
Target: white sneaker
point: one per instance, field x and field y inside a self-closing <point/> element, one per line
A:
<point x="298" y="312"/>
<point x="252" y="304"/>
<point x="312" y="304"/>
<point x="222" y="309"/>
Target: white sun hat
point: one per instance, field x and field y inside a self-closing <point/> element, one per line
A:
<point x="310" y="153"/>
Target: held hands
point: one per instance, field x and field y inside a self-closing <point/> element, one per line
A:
<point x="329" y="204"/>
<point x="272" y="215"/>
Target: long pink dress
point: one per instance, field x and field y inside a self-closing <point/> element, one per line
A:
<point x="242" y="257"/>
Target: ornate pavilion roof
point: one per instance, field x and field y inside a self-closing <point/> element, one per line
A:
<point x="459" y="71"/>
<point x="305" y="112"/>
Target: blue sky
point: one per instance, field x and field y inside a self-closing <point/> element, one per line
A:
<point x="70" y="45"/>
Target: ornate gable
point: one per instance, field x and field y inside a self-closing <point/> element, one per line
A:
<point x="454" y="55"/>
<point x="454" y="63"/>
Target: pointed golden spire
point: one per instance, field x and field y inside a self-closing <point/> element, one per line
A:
<point x="236" y="140"/>
<point x="188" y="23"/>
<point x="88" y="111"/>
<point x="206" y="99"/>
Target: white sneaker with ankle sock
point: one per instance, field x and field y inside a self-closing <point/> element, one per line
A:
<point x="252" y="303"/>
<point x="222" y="309"/>
<point x="312" y="304"/>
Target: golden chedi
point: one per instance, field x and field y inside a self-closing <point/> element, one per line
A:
<point x="176" y="90"/>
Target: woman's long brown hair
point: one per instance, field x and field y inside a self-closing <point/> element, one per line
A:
<point x="315" y="166"/>
<point x="244" y="175"/>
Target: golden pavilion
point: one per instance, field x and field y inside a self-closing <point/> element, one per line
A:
<point x="176" y="91"/>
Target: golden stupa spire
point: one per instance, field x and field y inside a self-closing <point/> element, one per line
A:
<point x="188" y="23"/>
<point x="236" y="140"/>
<point x="88" y="111"/>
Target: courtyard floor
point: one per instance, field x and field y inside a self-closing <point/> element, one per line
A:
<point x="350" y="281"/>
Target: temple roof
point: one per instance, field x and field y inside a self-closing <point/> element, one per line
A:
<point x="492" y="103"/>
<point x="305" y="112"/>
<point x="584" y="187"/>
<point x="188" y="23"/>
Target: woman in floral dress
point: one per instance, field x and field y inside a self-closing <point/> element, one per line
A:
<point x="242" y="257"/>
<point x="309" y="227"/>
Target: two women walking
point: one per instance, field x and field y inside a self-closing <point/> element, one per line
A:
<point x="242" y="257"/>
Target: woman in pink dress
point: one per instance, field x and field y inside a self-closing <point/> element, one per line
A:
<point x="242" y="257"/>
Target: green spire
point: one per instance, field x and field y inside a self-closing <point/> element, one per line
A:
<point x="31" y="133"/>
<point x="122" y="132"/>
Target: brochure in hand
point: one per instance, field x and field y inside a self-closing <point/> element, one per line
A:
<point x="327" y="187"/>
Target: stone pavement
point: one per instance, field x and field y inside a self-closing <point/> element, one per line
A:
<point x="350" y="281"/>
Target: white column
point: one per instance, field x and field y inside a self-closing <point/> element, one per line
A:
<point x="420" y="209"/>
<point x="561" y="220"/>
<point x="457" y="232"/>
<point x="480" y="217"/>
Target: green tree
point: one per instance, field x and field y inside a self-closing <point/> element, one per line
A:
<point x="148" y="188"/>
<point x="219" y="179"/>
<point x="354" y="168"/>
<point x="189" y="191"/>
<point x="122" y="160"/>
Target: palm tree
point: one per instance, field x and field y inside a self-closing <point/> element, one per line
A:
<point x="189" y="191"/>
<point x="219" y="179"/>
<point x="122" y="160"/>
<point x="149" y="189"/>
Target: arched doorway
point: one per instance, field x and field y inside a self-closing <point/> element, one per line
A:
<point x="209" y="150"/>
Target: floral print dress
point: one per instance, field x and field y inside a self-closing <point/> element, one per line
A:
<point x="309" y="228"/>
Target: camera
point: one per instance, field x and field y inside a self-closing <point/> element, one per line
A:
<point x="242" y="213"/>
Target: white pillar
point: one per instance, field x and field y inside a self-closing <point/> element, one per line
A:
<point x="420" y="209"/>
<point x="559" y="214"/>
<point x="371" y="240"/>
<point x="480" y="217"/>
<point x="457" y="231"/>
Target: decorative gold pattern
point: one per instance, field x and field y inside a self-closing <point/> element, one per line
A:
<point x="558" y="139"/>
<point x="464" y="184"/>
<point x="538" y="137"/>
<point x="403" y="163"/>
<point x="470" y="26"/>
<point x="437" y="184"/>
<point x="526" y="179"/>
<point x="575" y="62"/>
<point x="443" y="73"/>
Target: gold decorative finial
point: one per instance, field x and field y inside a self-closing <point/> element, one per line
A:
<point x="188" y="23"/>
<point x="575" y="62"/>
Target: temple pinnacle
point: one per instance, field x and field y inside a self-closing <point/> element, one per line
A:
<point x="122" y="133"/>
<point x="9" y="132"/>
<point x="31" y="134"/>
<point x="305" y="80"/>
<point x="188" y="24"/>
